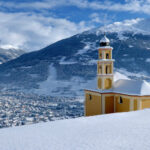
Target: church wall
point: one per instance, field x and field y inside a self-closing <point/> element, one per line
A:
<point x="103" y="103"/>
<point x="129" y="103"/>
<point x="122" y="104"/>
<point x="145" y="103"/>
<point x="104" y="51"/>
<point x="108" y="83"/>
<point x="93" y="104"/>
<point x="99" y="68"/>
<point x="99" y="83"/>
<point x="100" y="54"/>
<point x="111" y="68"/>
<point x="135" y="104"/>
<point x="108" y="52"/>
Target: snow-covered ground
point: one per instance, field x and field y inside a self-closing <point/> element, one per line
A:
<point x="119" y="131"/>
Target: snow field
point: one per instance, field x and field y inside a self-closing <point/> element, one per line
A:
<point x="119" y="131"/>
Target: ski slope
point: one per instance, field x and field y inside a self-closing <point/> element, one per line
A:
<point x="119" y="131"/>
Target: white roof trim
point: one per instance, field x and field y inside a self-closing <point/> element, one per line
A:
<point x="106" y="47"/>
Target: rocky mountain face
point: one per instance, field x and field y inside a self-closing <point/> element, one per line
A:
<point x="68" y="66"/>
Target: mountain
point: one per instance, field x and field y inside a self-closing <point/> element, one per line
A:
<point x="7" y="54"/>
<point x="126" y="131"/>
<point x="68" y="66"/>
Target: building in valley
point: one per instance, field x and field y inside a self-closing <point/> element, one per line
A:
<point x="120" y="96"/>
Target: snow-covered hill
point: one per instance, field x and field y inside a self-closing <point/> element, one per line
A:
<point x="68" y="66"/>
<point x="7" y="54"/>
<point x="119" y="131"/>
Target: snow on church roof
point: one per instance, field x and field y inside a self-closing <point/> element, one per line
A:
<point x="104" y="40"/>
<point x="128" y="87"/>
<point x="131" y="87"/>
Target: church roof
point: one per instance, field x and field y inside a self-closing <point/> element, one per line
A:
<point x="104" y="40"/>
<point x="129" y="87"/>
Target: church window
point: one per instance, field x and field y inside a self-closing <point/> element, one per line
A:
<point x="100" y="55"/>
<point x="120" y="100"/>
<point x="100" y="69"/>
<point x="106" y="69"/>
<point x="90" y="97"/>
<point x="107" y="56"/>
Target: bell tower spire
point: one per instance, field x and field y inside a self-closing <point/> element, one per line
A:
<point x="105" y="64"/>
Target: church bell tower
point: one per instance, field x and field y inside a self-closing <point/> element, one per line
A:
<point x="105" y="65"/>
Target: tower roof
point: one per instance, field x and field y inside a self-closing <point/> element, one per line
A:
<point x="104" y="41"/>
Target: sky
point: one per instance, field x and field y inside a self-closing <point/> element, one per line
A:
<point x="33" y="24"/>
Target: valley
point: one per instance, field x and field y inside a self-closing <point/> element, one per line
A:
<point x="21" y="108"/>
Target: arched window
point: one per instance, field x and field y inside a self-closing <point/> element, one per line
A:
<point x="107" y="55"/>
<point x="90" y="97"/>
<point x="100" y="55"/>
<point x="100" y="68"/>
<point x="120" y="100"/>
<point x="106" y="69"/>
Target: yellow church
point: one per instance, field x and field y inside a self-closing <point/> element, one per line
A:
<point x="122" y="95"/>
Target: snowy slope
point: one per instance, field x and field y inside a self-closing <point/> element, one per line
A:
<point x="74" y="86"/>
<point x="120" y="131"/>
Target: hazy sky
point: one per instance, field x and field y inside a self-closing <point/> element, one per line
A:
<point x="34" y="24"/>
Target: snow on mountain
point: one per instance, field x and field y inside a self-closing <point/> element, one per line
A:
<point x="135" y="26"/>
<point x="125" y="131"/>
<point x="8" y="53"/>
<point x="74" y="86"/>
<point x="138" y="25"/>
<point x="68" y="66"/>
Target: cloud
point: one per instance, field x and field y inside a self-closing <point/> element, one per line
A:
<point x="142" y="6"/>
<point x="29" y="30"/>
<point x="34" y="5"/>
<point x="101" y="18"/>
<point x="95" y="18"/>
<point x="34" y="31"/>
<point x="129" y="5"/>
